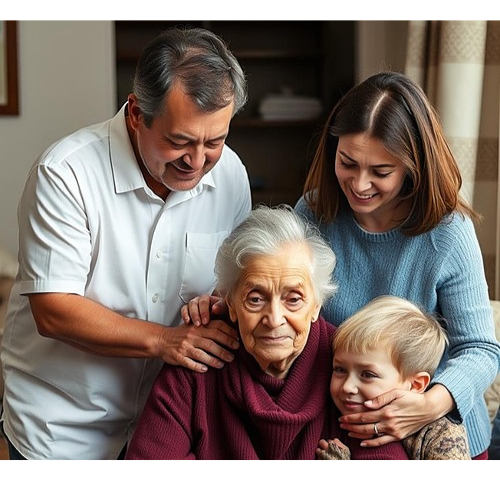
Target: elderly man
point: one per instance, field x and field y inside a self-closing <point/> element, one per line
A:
<point x="119" y="226"/>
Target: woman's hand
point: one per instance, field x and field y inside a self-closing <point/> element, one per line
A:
<point x="198" y="310"/>
<point x="397" y="414"/>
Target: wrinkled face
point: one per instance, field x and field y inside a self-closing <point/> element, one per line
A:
<point x="371" y="179"/>
<point x="358" y="378"/>
<point x="181" y="145"/>
<point x="274" y="306"/>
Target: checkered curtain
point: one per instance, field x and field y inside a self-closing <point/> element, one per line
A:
<point x="457" y="63"/>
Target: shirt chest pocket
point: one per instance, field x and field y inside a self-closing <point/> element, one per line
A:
<point x="198" y="274"/>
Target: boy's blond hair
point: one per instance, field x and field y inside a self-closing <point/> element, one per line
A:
<point x="414" y="339"/>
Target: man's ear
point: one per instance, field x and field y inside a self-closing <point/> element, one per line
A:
<point x="419" y="382"/>
<point x="134" y="111"/>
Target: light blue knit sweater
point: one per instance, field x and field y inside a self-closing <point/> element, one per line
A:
<point x="442" y="271"/>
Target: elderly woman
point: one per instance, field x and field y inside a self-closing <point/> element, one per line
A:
<point x="272" y="402"/>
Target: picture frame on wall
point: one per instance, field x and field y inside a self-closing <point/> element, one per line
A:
<point x="9" y="99"/>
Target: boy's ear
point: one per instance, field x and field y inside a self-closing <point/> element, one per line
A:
<point x="419" y="382"/>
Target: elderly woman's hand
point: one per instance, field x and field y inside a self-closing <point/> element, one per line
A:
<point x="397" y="414"/>
<point x="198" y="310"/>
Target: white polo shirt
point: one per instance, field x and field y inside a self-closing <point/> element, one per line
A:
<point x="90" y="225"/>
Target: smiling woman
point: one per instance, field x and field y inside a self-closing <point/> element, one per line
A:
<point x="371" y="179"/>
<point x="393" y="214"/>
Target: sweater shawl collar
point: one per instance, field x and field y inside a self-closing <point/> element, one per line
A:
<point x="285" y="416"/>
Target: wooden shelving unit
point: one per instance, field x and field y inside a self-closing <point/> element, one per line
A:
<point x="313" y="58"/>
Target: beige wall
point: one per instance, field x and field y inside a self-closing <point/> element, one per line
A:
<point x="67" y="80"/>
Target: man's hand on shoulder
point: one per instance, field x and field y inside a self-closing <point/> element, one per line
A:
<point x="198" y="347"/>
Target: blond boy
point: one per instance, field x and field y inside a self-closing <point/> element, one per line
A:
<point x="391" y="344"/>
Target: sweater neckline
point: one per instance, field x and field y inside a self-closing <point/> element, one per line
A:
<point x="292" y="394"/>
<point x="367" y="235"/>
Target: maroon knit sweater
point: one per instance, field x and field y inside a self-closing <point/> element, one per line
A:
<point x="240" y="412"/>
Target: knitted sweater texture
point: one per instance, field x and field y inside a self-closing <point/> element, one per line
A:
<point x="442" y="271"/>
<point x="240" y="412"/>
<point x="440" y="440"/>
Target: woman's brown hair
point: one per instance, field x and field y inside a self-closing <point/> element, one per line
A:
<point x="393" y="109"/>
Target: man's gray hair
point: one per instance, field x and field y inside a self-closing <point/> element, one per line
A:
<point x="199" y="61"/>
<point x="264" y="232"/>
